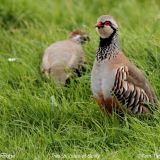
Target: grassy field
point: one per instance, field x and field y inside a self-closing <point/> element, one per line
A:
<point x="34" y="125"/>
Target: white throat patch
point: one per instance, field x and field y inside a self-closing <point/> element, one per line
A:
<point x="105" y="32"/>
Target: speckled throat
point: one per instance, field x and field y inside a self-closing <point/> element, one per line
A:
<point x="108" y="48"/>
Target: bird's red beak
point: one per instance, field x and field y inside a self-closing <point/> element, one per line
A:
<point x="99" y="25"/>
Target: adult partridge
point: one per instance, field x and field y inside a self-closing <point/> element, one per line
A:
<point x="116" y="83"/>
<point x="62" y="58"/>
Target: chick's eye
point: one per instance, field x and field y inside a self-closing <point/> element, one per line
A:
<point x="107" y="23"/>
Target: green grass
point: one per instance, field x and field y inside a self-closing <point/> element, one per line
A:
<point x="31" y="125"/>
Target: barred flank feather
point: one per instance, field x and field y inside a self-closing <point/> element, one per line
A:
<point x="133" y="97"/>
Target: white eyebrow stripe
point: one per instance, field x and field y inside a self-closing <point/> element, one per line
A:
<point x="77" y="38"/>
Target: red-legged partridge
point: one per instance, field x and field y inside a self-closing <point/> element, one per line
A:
<point x="117" y="83"/>
<point x="63" y="57"/>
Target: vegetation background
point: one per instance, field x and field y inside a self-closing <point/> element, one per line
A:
<point x="39" y="120"/>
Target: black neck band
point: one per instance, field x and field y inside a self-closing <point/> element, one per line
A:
<point x="107" y="41"/>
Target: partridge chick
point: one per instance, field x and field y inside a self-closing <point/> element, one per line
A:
<point x="116" y="83"/>
<point x="62" y="58"/>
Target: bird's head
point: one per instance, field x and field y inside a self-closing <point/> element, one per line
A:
<point x="79" y="36"/>
<point x="105" y="26"/>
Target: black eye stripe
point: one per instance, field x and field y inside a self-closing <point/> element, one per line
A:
<point x="108" y="22"/>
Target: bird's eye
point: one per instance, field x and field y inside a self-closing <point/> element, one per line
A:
<point x="108" y="23"/>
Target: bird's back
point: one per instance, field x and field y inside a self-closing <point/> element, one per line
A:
<point x="61" y="53"/>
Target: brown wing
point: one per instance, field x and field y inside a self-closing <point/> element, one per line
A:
<point x="138" y="79"/>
